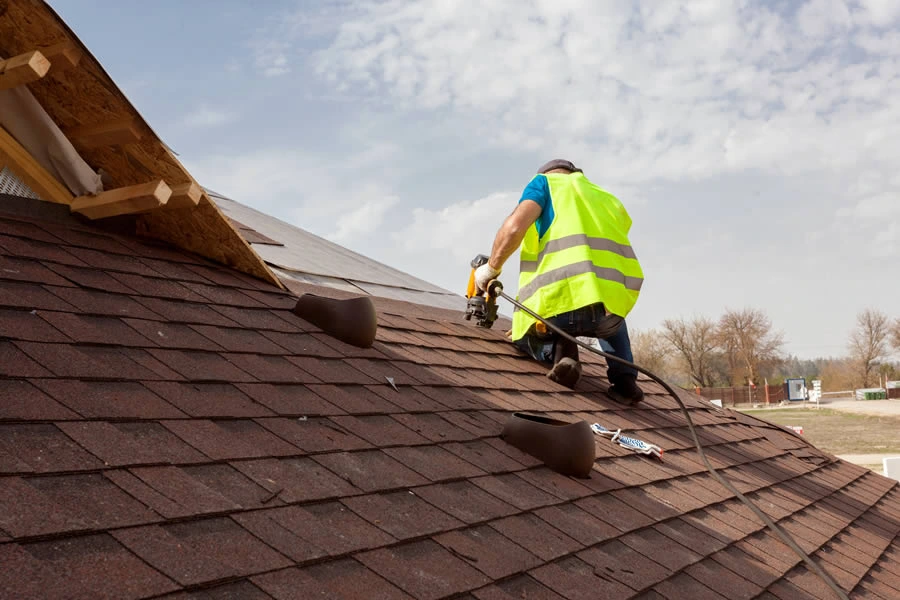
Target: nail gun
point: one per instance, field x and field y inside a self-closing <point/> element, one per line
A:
<point x="482" y="304"/>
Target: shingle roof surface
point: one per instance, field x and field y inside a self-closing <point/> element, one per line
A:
<point x="298" y="255"/>
<point x="169" y="429"/>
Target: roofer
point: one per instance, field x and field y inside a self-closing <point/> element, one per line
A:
<point x="577" y="270"/>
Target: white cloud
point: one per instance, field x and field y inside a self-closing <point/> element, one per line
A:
<point x="820" y="17"/>
<point x="206" y="116"/>
<point x="881" y="12"/>
<point x="452" y="236"/>
<point x="659" y="89"/>
<point x="878" y="206"/>
<point x="887" y="243"/>
<point x="458" y="228"/>
<point x="309" y="189"/>
<point x="871" y="217"/>
<point x="279" y="46"/>
<point x="270" y="58"/>
<point x="363" y="220"/>
<point x="274" y="65"/>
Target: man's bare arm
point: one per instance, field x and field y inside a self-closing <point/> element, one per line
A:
<point x="512" y="232"/>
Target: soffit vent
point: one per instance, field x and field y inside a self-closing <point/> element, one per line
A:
<point x="13" y="186"/>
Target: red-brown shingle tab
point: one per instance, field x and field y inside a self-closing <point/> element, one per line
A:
<point x="21" y="400"/>
<point x="424" y="569"/>
<point x="536" y="536"/>
<point x="201" y="551"/>
<point x="14" y="362"/>
<point x="208" y="399"/>
<point x="370" y="470"/>
<point x="402" y="514"/>
<point x="488" y="551"/>
<point x="341" y="580"/>
<point x="44" y="448"/>
<point x="296" y="479"/>
<point x="109" y="399"/>
<point x="577" y="580"/>
<point x="93" y="566"/>
<point x="466" y="501"/>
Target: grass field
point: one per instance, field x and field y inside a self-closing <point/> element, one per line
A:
<point x="840" y="432"/>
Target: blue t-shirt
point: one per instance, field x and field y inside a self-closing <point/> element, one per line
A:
<point x="538" y="190"/>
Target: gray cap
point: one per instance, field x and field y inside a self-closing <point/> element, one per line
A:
<point x="559" y="163"/>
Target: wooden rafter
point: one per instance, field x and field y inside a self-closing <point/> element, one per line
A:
<point x="26" y="168"/>
<point x="112" y="133"/>
<point x="23" y="69"/>
<point x="123" y="201"/>
<point x="62" y="56"/>
<point x="185" y="195"/>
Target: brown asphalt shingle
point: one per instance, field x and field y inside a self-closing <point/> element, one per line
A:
<point x="167" y="426"/>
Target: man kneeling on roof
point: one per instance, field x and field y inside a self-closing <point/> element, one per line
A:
<point x="577" y="270"/>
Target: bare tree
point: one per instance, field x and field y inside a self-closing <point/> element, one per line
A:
<point x="749" y="343"/>
<point x="651" y="351"/>
<point x="695" y="343"/>
<point x="869" y="343"/>
<point x="895" y="334"/>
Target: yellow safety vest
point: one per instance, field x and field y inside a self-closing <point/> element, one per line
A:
<point x="583" y="258"/>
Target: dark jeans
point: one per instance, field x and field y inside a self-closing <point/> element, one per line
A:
<point x="588" y="321"/>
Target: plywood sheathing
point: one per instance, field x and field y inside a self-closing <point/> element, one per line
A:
<point x="200" y="230"/>
<point x="85" y="97"/>
<point x="112" y="133"/>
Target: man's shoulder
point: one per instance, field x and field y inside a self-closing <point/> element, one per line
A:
<point x="538" y="183"/>
<point x="536" y="190"/>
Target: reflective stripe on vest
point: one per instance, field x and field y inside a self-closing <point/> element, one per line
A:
<point x="578" y="239"/>
<point x="583" y="258"/>
<point x="585" y="266"/>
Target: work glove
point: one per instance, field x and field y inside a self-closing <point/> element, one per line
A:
<point x="484" y="274"/>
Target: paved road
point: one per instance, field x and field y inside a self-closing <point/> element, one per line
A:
<point x="889" y="408"/>
<point x="866" y="459"/>
<point x="866" y="407"/>
<point x="884" y="408"/>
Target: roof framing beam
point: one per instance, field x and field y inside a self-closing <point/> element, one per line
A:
<point x="26" y="168"/>
<point x="22" y="69"/>
<point x="123" y="201"/>
<point x="62" y="56"/>
<point x="185" y="195"/>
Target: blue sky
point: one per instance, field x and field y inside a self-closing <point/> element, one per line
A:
<point x="754" y="143"/>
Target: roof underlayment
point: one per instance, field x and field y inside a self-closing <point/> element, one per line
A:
<point x="303" y="256"/>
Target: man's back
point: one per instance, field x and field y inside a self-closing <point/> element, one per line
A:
<point x="583" y="256"/>
<point x="577" y="270"/>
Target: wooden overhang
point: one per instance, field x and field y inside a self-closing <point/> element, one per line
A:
<point x="142" y="177"/>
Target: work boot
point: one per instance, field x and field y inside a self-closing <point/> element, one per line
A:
<point x="625" y="390"/>
<point x="566" y="372"/>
